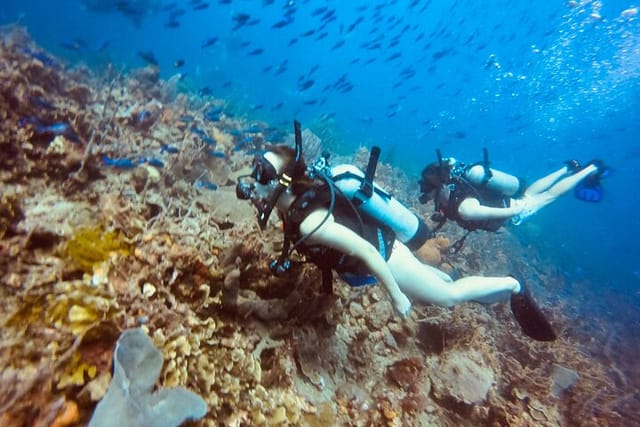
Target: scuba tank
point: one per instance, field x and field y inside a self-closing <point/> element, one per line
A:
<point x="493" y="180"/>
<point x="482" y="177"/>
<point x="379" y="204"/>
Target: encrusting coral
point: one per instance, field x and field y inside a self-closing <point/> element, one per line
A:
<point x="123" y="216"/>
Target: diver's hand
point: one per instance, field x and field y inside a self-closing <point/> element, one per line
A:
<point x="402" y="305"/>
<point x="526" y="206"/>
<point x="516" y="206"/>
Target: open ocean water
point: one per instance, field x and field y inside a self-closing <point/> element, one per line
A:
<point x="536" y="83"/>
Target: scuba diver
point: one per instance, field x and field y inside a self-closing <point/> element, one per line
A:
<point x="478" y="197"/>
<point x="338" y="233"/>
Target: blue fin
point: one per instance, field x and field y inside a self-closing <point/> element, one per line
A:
<point x="588" y="191"/>
<point x="355" y="280"/>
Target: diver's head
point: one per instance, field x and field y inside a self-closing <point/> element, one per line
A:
<point x="272" y="171"/>
<point x="266" y="169"/>
<point x="434" y="176"/>
<point x="263" y="173"/>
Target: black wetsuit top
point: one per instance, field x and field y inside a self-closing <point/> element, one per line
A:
<point x="461" y="190"/>
<point x="378" y="234"/>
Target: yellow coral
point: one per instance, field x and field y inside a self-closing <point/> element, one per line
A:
<point x="77" y="306"/>
<point x="430" y="252"/>
<point x="93" y="245"/>
<point x="76" y="372"/>
<point x="71" y="306"/>
<point x="440" y="242"/>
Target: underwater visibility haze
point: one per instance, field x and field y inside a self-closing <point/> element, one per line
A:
<point x="144" y="112"/>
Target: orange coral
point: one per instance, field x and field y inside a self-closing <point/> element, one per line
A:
<point x="68" y="415"/>
<point x="431" y="252"/>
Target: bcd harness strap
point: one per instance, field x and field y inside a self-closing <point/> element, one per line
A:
<point x="282" y="264"/>
<point x="485" y="165"/>
<point x="366" y="187"/>
<point x="284" y="180"/>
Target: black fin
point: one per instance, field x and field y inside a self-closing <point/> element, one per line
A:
<point x="530" y="317"/>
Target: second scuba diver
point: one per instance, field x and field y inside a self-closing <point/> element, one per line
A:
<point x="478" y="197"/>
<point x="336" y="233"/>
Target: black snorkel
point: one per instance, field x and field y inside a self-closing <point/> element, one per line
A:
<point x="443" y="169"/>
<point x="439" y="217"/>
<point x="284" y="179"/>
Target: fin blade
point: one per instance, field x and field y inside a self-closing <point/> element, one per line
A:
<point x="530" y="318"/>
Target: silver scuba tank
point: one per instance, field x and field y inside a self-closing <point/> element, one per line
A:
<point x="381" y="205"/>
<point x="497" y="181"/>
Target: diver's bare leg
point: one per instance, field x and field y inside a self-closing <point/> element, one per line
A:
<point x="421" y="282"/>
<point x="546" y="182"/>
<point x="568" y="183"/>
<point x="535" y="202"/>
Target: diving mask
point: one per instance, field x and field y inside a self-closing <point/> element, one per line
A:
<point x="245" y="187"/>
<point x="262" y="174"/>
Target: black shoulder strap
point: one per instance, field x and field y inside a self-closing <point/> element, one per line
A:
<point x="366" y="188"/>
<point x="284" y="179"/>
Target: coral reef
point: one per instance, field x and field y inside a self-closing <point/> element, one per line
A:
<point x="117" y="211"/>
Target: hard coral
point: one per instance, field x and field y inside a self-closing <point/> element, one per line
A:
<point x="463" y="377"/>
<point x="57" y="326"/>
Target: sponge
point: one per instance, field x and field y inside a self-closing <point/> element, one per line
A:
<point x="130" y="399"/>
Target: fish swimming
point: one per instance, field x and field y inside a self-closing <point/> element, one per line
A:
<point x="305" y="85"/>
<point x="148" y="57"/>
<point x="118" y="163"/>
<point x="209" y="42"/>
<point x="50" y="131"/>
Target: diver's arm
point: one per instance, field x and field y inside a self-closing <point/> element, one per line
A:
<point x="470" y="209"/>
<point x="343" y="239"/>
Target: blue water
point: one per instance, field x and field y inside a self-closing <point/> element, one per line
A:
<point x="536" y="83"/>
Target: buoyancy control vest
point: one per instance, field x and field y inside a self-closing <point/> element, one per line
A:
<point x="380" y="235"/>
<point x="461" y="189"/>
<point x="492" y="188"/>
